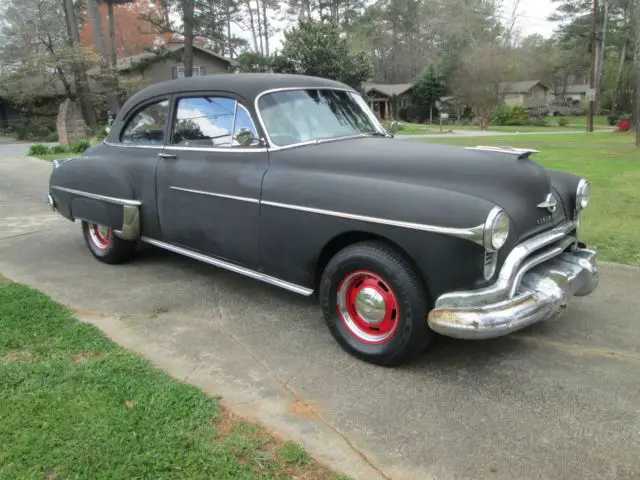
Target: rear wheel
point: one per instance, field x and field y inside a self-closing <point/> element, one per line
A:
<point x="375" y="304"/>
<point x="106" y="246"/>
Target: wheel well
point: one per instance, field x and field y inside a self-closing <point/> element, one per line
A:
<point x="344" y="240"/>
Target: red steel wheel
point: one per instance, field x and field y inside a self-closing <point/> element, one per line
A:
<point x="100" y="236"/>
<point x="368" y="307"/>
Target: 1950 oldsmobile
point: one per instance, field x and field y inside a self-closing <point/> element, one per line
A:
<point x="292" y="180"/>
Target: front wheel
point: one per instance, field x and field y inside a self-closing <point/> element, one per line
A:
<point x="375" y="304"/>
<point x="105" y="246"/>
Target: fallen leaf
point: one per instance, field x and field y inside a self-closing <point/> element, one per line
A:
<point x="129" y="404"/>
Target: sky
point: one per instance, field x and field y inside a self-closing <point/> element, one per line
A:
<point x="533" y="16"/>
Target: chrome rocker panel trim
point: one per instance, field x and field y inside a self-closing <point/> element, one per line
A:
<point x="230" y="266"/>
<point x="543" y="292"/>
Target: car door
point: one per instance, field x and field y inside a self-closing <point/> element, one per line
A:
<point x="209" y="184"/>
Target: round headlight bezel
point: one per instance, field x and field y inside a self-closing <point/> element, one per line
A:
<point x="583" y="194"/>
<point x="496" y="230"/>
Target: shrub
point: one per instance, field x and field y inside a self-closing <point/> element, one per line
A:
<point x="52" y="137"/>
<point x="538" y="122"/>
<point x="403" y="114"/>
<point x="38" y="149"/>
<point x="501" y="115"/>
<point x="57" y="149"/>
<point x="563" y="121"/>
<point x="80" y="146"/>
<point x="33" y="131"/>
<point x="517" y="122"/>
<point x="612" y="120"/>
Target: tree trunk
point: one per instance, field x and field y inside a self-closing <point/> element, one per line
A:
<point x="79" y="68"/>
<point x="252" y="24"/>
<point x="112" y="36"/>
<point x="265" y="22"/>
<point x="111" y="81"/>
<point x="259" y="22"/>
<point x="188" y="20"/>
<point x="623" y="58"/>
<point x="600" y="48"/>
<point x="228" y="14"/>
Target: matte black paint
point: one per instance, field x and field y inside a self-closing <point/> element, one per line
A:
<point x="378" y="177"/>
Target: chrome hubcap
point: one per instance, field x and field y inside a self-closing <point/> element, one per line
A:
<point x="370" y="306"/>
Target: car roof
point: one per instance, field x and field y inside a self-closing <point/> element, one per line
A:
<point x="247" y="85"/>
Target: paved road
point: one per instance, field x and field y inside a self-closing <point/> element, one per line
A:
<point x="560" y="400"/>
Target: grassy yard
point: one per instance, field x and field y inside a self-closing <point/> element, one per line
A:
<point x="55" y="156"/>
<point x="74" y="405"/>
<point x="612" y="164"/>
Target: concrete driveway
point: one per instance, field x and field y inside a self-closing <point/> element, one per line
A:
<point x="560" y="400"/>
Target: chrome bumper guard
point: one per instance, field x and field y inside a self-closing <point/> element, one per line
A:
<point x="535" y="283"/>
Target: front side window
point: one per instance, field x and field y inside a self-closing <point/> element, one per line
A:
<point x="147" y="126"/>
<point x="296" y="116"/>
<point x="210" y="122"/>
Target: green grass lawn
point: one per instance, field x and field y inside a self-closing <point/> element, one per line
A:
<point x="611" y="162"/>
<point x="55" y="156"/>
<point x="74" y="405"/>
<point x="576" y="123"/>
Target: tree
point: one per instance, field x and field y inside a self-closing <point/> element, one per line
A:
<point x="316" y="48"/>
<point x="477" y="80"/>
<point x="427" y="90"/>
<point x="40" y="42"/>
<point x="108" y="73"/>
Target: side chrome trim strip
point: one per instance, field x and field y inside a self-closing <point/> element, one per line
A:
<point x="230" y="266"/>
<point x="126" y="145"/>
<point x="104" y="198"/>
<point x="216" y="149"/>
<point x="474" y="234"/>
<point x="219" y="195"/>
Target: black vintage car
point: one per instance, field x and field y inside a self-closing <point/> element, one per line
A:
<point x="292" y="180"/>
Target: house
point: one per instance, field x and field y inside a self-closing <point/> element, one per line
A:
<point x="529" y="94"/>
<point x="381" y="98"/>
<point x="576" y="96"/>
<point x="166" y="64"/>
<point x="47" y="90"/>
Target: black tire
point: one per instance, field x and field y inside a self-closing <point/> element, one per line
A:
<point x="402" y="335"/>
<point x="107" y="247"/>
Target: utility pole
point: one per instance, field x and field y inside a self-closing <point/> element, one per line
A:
<point x="592" y="80"/>
<point x="637" y="72"/>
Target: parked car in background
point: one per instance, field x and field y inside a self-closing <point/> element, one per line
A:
<point x="292" y="180"/>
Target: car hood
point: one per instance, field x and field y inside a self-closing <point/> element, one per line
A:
<point x="517" y="185"/>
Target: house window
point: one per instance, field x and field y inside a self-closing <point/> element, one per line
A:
<point x="196" y="72"/>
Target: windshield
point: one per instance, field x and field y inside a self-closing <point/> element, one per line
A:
<point x="296" y="116"/>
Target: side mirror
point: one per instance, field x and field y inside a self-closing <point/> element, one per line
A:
<point x="245" y="138"/>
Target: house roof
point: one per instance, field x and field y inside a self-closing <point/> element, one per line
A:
<point x="388" y="89"/>
<point x="573" y="89"/>
<point x="520" y="87"/>
<point x="127" y="63"/>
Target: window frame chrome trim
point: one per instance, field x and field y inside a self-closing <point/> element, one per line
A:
<point x="247" y="272"/>
<point x="95" y="196"/>
<point x="474" y="234"/>
<point x="217" y="195"/>
<point x="274" y="147"/>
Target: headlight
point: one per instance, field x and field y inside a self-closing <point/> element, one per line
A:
<point x="583" y="194"/>
<point x="496" y="230"/>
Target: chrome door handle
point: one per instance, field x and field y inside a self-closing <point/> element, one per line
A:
<point x="167" y="156"/>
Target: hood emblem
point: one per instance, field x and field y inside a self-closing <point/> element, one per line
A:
<point x="550" y="203"/>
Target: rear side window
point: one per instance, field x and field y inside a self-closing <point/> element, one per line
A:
<point x="147" y="126"/>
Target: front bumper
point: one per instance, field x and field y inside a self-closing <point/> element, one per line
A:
<point x="530" y="288"/>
